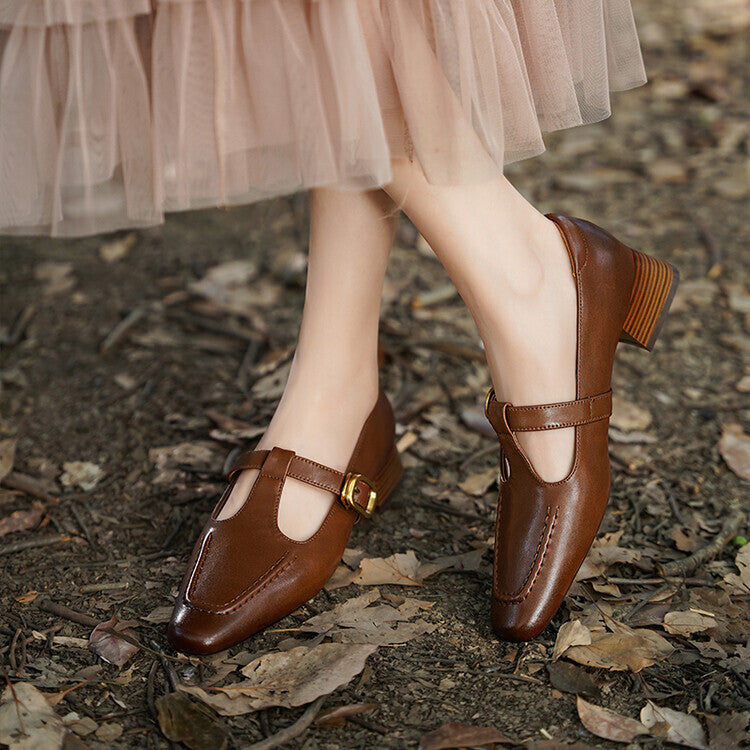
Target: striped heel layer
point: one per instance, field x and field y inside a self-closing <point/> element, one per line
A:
<point x="654" y="288"/>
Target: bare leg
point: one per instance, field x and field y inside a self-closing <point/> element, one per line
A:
<point x="333" y="381"/>
<point x="511" y="267"/>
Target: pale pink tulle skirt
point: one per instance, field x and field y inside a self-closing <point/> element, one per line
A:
<point x="115" y="111"/>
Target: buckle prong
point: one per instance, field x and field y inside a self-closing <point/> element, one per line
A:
<point x="347" y="494"/>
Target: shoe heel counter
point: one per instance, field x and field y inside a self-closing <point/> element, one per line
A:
<point x="376" y="439"/>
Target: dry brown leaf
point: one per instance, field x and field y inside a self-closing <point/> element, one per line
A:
<point x="80" y="725"/>
<point x="600" y="557"/>
<point x="607" y="724"/>
<point x="159" y="615"/>
<point x="626" y="648"/>
<point x="572" y="633"/>
<point x="346" y="572"/>
<point x="478" y="484"/>
<point x="677" y="727"/>
<point x="24" y="711"/>
<point x="184" y="720"/>
<point x="400" y="568"/>
<point x="555" y="745"/>
<point x="117" y="249"/>
<point x="57" y="276"/>
<point x="356" y="621"/>
<point x="22" y="520"/>
<point x="341" y="577"/>
<point x="167" y="459"/>
<point x="28" y="597"/>
<point x="717" y="16"/>
<point x="82" y="473"/>
<point x="734" y="447"/>
<point x="226" y="285"/>
<point x="344" y="612"/>
<point x="465" y="561"/>
<point x="727" y="731"/>
<point x="687" y="622"/>
<point x="474" y="418"/>
<point x="738" y="297"/>
<point x="618" y="436"/>
<point x="742" y="561"/>
<point x="462" y="735"/>
<point x="571" y="679"/>
<point x="288" y="678"/>
<point x="271" y="386"/>
<point x="337" y="716"/>
<point x="608" y="589"/>
<point x="109" y="731"/>
<point x="108" y="646"/>
<point x="7" y="456"/>
<point x="693" y="293"/>
<point x="667" y="171"/>
<point x="685" y="539"/>
<point x="405" y="569"/>
<point x="628" y="416"/>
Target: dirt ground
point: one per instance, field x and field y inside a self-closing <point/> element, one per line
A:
<point x="160" y="407"/>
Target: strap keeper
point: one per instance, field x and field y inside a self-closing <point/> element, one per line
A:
<point x="351" y="481"/>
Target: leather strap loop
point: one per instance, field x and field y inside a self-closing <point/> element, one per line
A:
<point x="248" y="459"/>
<point x="550" y="416"/>
<point x="304" y="469"/>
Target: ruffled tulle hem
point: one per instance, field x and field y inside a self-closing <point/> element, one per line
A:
<point x="113" y="112"/>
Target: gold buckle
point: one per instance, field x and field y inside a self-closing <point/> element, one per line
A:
<point x="347" y="494"/>
<point x="487" y="399"/>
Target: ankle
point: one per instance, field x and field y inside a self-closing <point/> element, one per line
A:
<point x="323" y="384"/>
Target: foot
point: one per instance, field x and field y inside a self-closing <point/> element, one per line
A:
<point x="319" y="418"/>
<point x="532" y="356"/>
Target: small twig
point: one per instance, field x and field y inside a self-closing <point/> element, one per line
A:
<point x="174" y="680"/>
<point x="40" y="541"/>
<point x="16" y="700"/>
<point x="121" y="714"/>
<point x="673" y="504"/>
<point x="19" y="326"/>
<point x="479" y="454"/>
<point x="714" y="250"/>
<point x="450" y="511"/>
<point x="290" y="732"/>
<point x="95" y="588"/>
<point x="12" y="654"/>
<point x="451" y="348"/>
<point x="647" y="597"/>
<point x="407" y="416"/>
<point x="120" y="330"/>
<point x="657" y="581"/>
<point x="373" y="726"/>
<point x="49" y="632"/>
<point x="176" y="526"/>
<point x="31" y="486"/>
<point x="690" y="564"/>
<point x="150" y="688"/>
<point x="637" y="514"/>
<point x="81" y="523"/>
<point x="264" y="723"/>
<point x="146" y="391"/>
<point x="248" y="360"/>
<point x="60" y="610"/>
<point x="243" y="334"/>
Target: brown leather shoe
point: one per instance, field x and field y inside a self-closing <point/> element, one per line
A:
<point x="244" y="573"/>
<point x="544" y="529"/>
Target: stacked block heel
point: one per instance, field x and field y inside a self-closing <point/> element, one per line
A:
<point x="389" y="476"/>
<point x="654" y="288"/>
